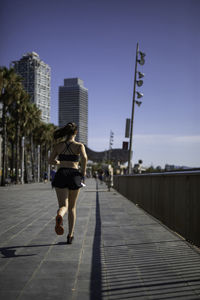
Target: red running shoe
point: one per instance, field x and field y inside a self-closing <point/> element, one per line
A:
<point x="59" y="229"/>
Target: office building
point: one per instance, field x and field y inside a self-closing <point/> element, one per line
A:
<point x="36" y="80"/>
<point x="73" y="106"/>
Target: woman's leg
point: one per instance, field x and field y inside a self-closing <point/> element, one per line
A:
<point x="73" y="195"/>
<point x="62" y="195"/>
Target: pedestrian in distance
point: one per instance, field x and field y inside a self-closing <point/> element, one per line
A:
<point x="45" y="177"/>
<point x="68" y="179"/>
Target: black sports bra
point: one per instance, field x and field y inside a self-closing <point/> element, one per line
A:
<point x="68" y="157"/>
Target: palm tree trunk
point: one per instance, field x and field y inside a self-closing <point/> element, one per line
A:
<point x="22" y="157"/>
<point x="17" y="153"/>
<point x="4" y="146"/>
<point x="41" y="164"/>
<point x="45" y="158"/>
<point x="32" y="158"/>
<point x="25" y="166"/>
<point x="6" y="155"/>
<point x="12" y="158"/>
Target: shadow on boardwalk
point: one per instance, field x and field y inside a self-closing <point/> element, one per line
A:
<point x="96" y="274"/>
<point x="8" y="252"/>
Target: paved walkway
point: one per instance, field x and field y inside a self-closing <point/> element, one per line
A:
<point x="119" y="251"/>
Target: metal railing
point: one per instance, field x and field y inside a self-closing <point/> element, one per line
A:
<point x="171" y="197"/>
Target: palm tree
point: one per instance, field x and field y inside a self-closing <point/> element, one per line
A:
<point x="26" y="125"/>
<point x="9" y="82"/>
<point x="43" y="136"/>
<point x="10" y="128"/>
<point x="48" y="130"/>
<point x="19" y="114"/>
<point x="21" y="118"/>
<point x="35" y="120"/>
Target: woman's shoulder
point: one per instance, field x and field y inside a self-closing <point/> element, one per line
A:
<point x="78" y="144"/>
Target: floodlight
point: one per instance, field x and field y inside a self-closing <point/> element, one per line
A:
<point x="142" y="54"/>
<point x="139" y="82"/>
<point x="138" y="102"/>
<point x="141" y="75"/>
<point x="141" y="61"/>
<point x="139" y="95"/>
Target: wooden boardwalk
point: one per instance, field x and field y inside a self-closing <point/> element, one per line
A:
<point x="119" y="251"/>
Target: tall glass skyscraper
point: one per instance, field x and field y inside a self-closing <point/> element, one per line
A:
<point x="73" y="107"/>
<point x="36" y="80"/>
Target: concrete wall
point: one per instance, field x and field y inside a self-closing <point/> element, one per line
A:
<point x="174" y="199"/>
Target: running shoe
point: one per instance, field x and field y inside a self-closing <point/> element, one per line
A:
<point x="59" y="229"/>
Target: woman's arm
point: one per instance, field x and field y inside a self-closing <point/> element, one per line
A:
<point x="54" y="154"/>
<point x="83" y="159"/>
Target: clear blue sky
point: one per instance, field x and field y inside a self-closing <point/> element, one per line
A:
<point x="95" y="40"/>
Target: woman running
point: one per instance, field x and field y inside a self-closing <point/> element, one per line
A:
<point x="68" y="179"/>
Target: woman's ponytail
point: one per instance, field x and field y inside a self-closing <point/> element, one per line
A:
<point x="68" y="130"/>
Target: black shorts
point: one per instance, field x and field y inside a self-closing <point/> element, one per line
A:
<point x="67" y="178"/>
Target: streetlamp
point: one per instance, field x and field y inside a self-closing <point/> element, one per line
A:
<point x="139" y="59"/>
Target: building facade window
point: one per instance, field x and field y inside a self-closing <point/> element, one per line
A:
<point x="36" y="80"/>
<point x="73" y="107"/>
